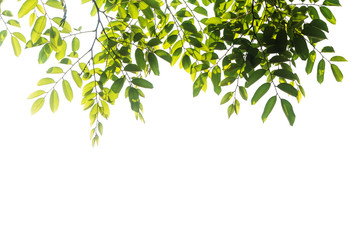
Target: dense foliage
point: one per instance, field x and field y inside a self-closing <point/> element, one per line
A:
<point x="229" y="44"/>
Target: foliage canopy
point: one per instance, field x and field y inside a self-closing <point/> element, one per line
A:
<point x="230" y="44"/>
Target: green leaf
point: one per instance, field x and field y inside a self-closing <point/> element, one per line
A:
<point x="38" y="28"/>
<point x="164" y="55"/>
<point x="7" y="13"/>
<point x="289" y="89"/>
<point x="328" y="49"/>
<point x="75" y="44"/>
<point x="301" y="47"/>
<point x="310" y="62"/>
<point x="230" y="110"/>
<point x="45" y="81"/>
<point x="140" y="59"/>
<point x="227" y="81"/>
<point x="215" y="79"/>
<point x="37" y="105"/>
<point x="118" y="85"/>
<point x="243" y="92"/>
<point x="328" y="15"/>
<point x="332" y="3"/>
<point x="260" y="92"/>
<point x="188" y="26"/>
<point x="67" y="90"/>
<point x="154" y="42"/>
<point x="134" y="99"/>
<point x="338" y="59"/>
<point x="77" y="78"/>
<point x="284" y="73"/>
<point x="237" y="106"/>
<point x="268" y="108"/>
<point x="27" y="6"/>
<point x="14" y="23"/>
<point x="54" y="70"/>
<point x="35" y="94"/>
<point x="55" y="39"/>
<point x="16" y="46"/>
<point x="254" y="77"/>
<point x="336" y="72"/>
<point x="132" y="68"/>
<point x="199" y="83"/>
<point x="154" y="65"/>
<point x="321" y="71"/>
<point x="288" y="110"/>
<point x="153" y="3"/>
<point x="3" y="35"/>
<point x="142" y="83"/>
<point x="54" y="101"/>
<point x="313" y="32"/>
<point x="201" y="10"/>
<point x="226" y="97"/>
<point x="44" y="53"/>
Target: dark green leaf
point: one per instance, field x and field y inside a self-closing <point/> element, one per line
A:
<point x="284" y="73"/>
<point x="301" y="47"/>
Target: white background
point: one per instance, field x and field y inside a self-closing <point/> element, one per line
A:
<point x="189" y="172"/>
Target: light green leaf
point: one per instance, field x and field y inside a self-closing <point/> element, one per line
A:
<point x="237" y="106"/>
<point x="199" y="83"/>
<point x="14" y="23"/>
<point x="67" y="90"/>
<point x="45" y="81"/>
<point x="37" y="105"/>
<point x="133" y="11"/>
<point x="230" y="110"/>
<point x="77" y="78"/>
<point x="268" y="108"/>
<point x="20" y="36"/>
<point x="75" y="44"/>
<point x="213" y="20"/>
<point x="35" y="94"/>
<point x="54" y="70"/>
<point x="54" y="101"/>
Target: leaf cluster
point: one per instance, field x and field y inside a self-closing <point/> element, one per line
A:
<point x="232" y="45"/>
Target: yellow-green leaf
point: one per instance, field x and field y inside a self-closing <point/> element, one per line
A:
<point x="67" y="90"/>
<point x="134" y="12"/>
<point x="27" y="7"/>
<point x="37" y="105"/>
<point x="54" y="101"/>
<point x="36" y="94"/>
<point x="38" y="28"/>
<point x="16" y="46"/>
<point x="337" y="73"/>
